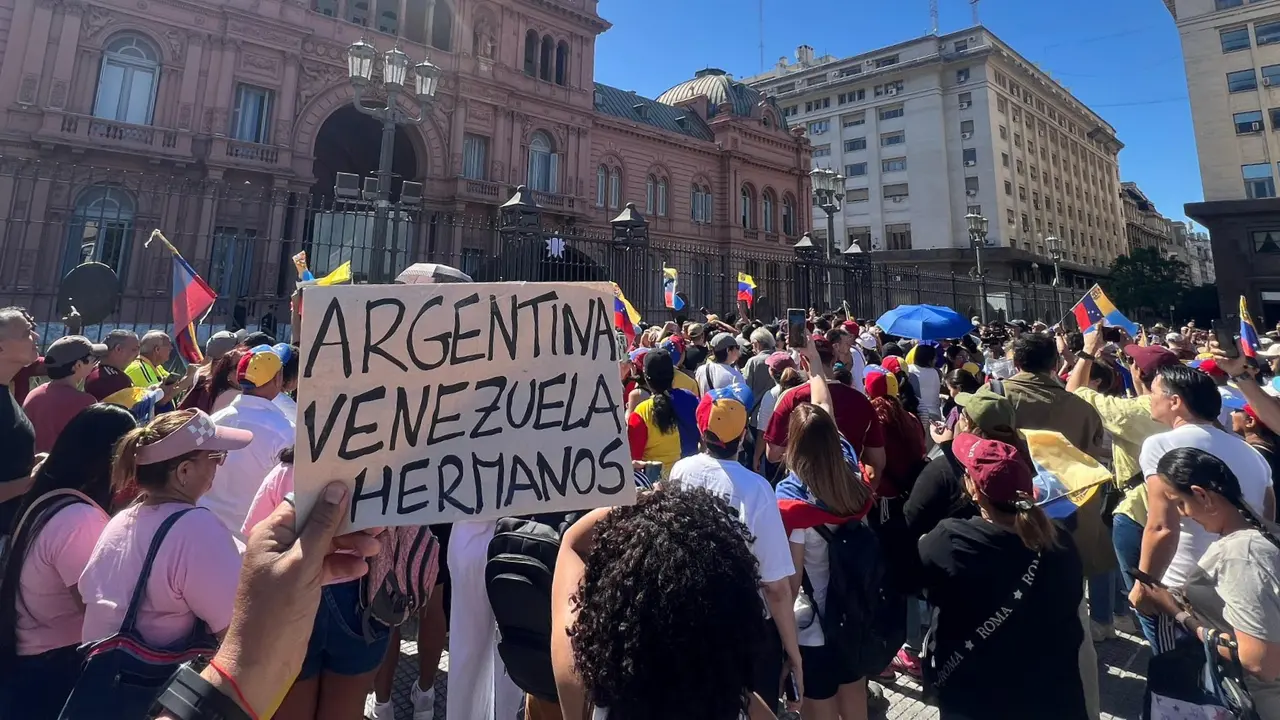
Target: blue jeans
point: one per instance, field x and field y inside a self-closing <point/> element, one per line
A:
<point x="1106" y="598"/>
<point x="337" y="643"/>
<point x="1126" y="536"/>
<point x="38" y="685"/>
<point x="917" y="616"/>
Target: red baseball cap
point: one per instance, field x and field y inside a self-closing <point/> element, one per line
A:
<point x="997" y="468"/>
<point x="852" y="328"/>
<point x="892" y="363"/>
<point x="1150" y="358"/>
<point x="1210" y="368"/>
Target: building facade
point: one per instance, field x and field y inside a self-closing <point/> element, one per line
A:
<point x="1200" y="259"/>
<point x="1144" y="226"/>
<point x="227" y="123"/>
<point x="930" y="130"/>
<point x="1231" y="52"/>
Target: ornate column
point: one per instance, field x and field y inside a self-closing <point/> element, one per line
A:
<point x="190" y="80"/>
<point x="431" y="23"/>
<point x="11" y="63"/>
<point x="33" y="58"/>
<point x="288" y="101"/>
<point x="208" y="204"/>
<point x="457" y="131"/>
<point x="65" y="61"/>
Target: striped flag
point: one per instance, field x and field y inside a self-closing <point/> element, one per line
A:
<point x="670" y="288"/>
<point x="1248" y="333"/>
<point x="1095" y="306"/>
<point x="625" y="317"/>
<point x="192" y="299"/>
<point x="746" y="288"/>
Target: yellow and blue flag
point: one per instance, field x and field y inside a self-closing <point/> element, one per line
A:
<point x="746" y="288"/>
<point x="670" y="288"/>
<point x="1095" y="306"/>
<point x="625" y="317"/>
<point x="1248" y="333"/>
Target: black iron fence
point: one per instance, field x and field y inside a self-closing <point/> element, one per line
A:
<point x="241" y="234"/>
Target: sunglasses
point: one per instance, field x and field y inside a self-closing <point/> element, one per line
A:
<point x="218" y="457"/>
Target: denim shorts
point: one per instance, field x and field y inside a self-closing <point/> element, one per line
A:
<point x="38" y="685"/>
<point x="338" y="644"/>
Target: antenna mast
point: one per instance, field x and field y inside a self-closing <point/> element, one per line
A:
<point x="973" y="5"/>
<point x="761" y="35"/>
<point x="933" y="16"/>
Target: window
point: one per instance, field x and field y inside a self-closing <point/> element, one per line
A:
<point x="860" y="236"/>
<point x="1267" y="33"/>
<point x="531" y="43"/>
<point x="1017" y="140"/>
<point x="817" y="127"/>
<point x="971" y="186"/>
<point x="970" y="156"/>
<point x="1248" y="122"/>
<point x="701" y="201"/>
<point x="962" y="45"/>
<point x="127" y="81"/>
<point x="893" y="164"/>
<point x="896" y="192"/>
<point x="1022" y="193"/>
<point x="822" y="151"/>
<point x="1004" y="159"/>
<point x="1234" y="39"/>
<point x="855" y="144"/>
<point x="790" y="111"/>
<point x="966" y="126"/>
<point x="1018" y="166"/>
<point x="898" y="237"/>
<point x="974" y="210"/>
<point x="615" y="188"/>
<point x="854" y="119"/>
<point x="544" y="59"/>
<point x="1258" y="181"/>
<point x="886" y="61"/>
<point x="1026" y="223"/>
<point x="788" y="216"/>
<point x="852" y="96"/>
<point x="1008" y="188"/>
<point x="1275" y="118"/>
<point x="1271" y="75"/>
<point x="101" y="230"/>
<point x="650" y="194"/>
<point x="1224" y="4"/>
<point x="1002" y="106"/>
<point x="962" y="76"/>
<point x="893" y="138"/>
<point x="544" y="165"/>
<point x="748" y="208"/>
<point x="231" y="266"/>
<point x="662" y="197"/>
<point x="602" y="185"/>
<point x="890" y="113"/>
<point x="475" y="156"/>
<point x="1242" y="81"/>
<point x="855" y="170"/>
<point x="768" y="212"/>
<point x="562" y="63"/>
<point x="251" y="119"/>
<point x="1266" y="241"/>
<point x="858" y="195"/>
<point x="1010" y="217"/>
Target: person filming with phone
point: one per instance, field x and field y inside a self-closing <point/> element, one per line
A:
<point x="1235" y="586"/>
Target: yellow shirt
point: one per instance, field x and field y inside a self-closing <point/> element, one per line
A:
<point x="683" y="382"/>
<point x="1129" y="422"/>
<point x="144" y="374"/>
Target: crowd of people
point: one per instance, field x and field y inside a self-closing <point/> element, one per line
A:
<point x="817" y="512"/>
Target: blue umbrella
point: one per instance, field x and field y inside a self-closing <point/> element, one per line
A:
<point x="925" y="322"/>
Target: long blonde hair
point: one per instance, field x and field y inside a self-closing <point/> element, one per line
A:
<point x="128" y="477"/>
<point x="815" y="456"/>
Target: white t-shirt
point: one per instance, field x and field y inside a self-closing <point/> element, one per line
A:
<point x="928" y="386"/>
<point x="755" y="501"/>
<point x="288" y="406"/>
<point x="236" y="482"/>
<point x="1249" y="467"/>
<point x="767" y="404"/>
<point x="713" y="375"/>
<point x="858" y="369"/>
<point x="817" y="568"/>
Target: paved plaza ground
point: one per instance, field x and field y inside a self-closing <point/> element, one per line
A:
<point x="1122" y="666"/>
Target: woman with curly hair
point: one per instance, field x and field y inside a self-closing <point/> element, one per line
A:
<point x="656" y="612"/>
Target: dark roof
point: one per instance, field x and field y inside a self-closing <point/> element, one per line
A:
<point x="718" y="88"/>
<point x="623" y="104"/>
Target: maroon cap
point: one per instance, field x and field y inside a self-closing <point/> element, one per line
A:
<point x="779" y="361"/>
<point x="1150" y="358"/>
<point x="996" y="468"/>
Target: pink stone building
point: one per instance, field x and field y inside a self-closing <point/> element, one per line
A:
<point x="225" y="122"/>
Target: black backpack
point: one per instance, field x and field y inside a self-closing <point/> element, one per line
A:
<point x="865" y="617"/>
<point x="517" y="576"/>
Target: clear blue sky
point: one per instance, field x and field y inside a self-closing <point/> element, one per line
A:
<point x="1127" y="68"/>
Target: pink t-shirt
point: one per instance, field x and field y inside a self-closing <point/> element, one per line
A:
<point x="277" y="484"/>
<point x="48" y="615"/>
<point x="194" y="576"/>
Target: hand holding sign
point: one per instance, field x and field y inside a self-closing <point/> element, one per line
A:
<point x="443" y="403"/>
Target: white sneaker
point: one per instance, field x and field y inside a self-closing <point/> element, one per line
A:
<point x="424" y="703"/>
<point x="374" y="710"/>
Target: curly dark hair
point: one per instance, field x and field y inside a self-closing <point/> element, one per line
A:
<point x="669" y="614"/>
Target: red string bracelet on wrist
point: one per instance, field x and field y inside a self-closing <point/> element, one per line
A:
<point x="234" y="686"/>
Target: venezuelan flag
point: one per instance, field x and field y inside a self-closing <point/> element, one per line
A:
<point x="746" y="288"/>
<point x="340" y="275"/>
<point x="625" y="317"/>
<point x="191" y="300"/>
<point x="670" y="282"/>
<point x="1248" y="333"/>
<point x="1096" y="306"/>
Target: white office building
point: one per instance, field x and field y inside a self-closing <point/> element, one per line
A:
<point x="930" y="130"/>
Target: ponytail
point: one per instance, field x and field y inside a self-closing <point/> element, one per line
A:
<point x="1185" y="468"/>
<point x="1257" y="523"/>
<point x="128" y="477"/>
<point x="664" y="413"/>
<point x="1037" y="531"/>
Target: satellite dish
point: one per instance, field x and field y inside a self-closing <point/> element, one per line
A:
<point x="94" y="290"/>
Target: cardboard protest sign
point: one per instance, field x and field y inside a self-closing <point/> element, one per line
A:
<point x="443" y="403"/>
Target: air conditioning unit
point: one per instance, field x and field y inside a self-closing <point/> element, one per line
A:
<point x="970" y="163"/>
<point x="1256" y="127"/>
<point x="965" y="105"/>
<point x="1266" y="81"/>
<point x="971" y="193"/>
<point x="891" y="91"/>
<point x="897" y="198"/>
<point x="966" y="136"/>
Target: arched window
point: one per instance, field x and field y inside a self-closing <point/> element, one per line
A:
<point x="748" y="207"/>
<point x="388" y="22"/>
<point x="662" y="197"/>
<point x="101" y="228"/>
<point x="767" y="204"/>
<point x="544" y="164"/>
<point x="602" y="178"/>
<point x="127" y="81"/>
<point x="788" y="216"/>
<point x="707" y="207"/>
<point x="695" y="202"/>
<point x="650" y="195"/>
<point x="562" y="63"/>
<point x="531" y="53"/>
<point x="545" y="59"/>
<point x="442" y="26"/>
<point x="615" y="188"/>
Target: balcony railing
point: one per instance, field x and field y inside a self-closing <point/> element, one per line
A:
<point x="483" y="189"/>
<point x="253" y="152"/>
<point x="553" y="200"/>
<point x="95" y="132"/>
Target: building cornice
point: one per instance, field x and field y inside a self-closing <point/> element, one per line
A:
<point x="591" y="21"/>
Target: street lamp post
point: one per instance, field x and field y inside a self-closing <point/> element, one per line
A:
<point x="807" y="253"/>
<point x="1055" y="254"/>
<point x="828" y="191"/>
<point x="978" y="240"/>
<point x="395" y="69"/>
